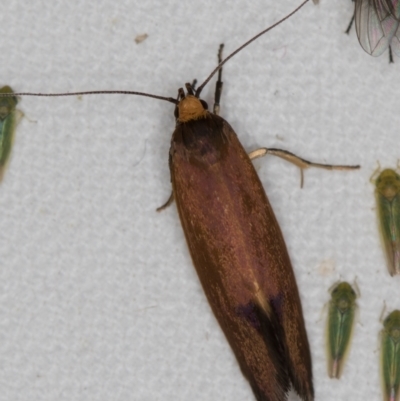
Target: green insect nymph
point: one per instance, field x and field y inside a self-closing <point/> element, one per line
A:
<point x="342" y="309"/>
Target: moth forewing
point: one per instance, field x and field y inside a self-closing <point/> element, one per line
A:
<point x="250" y="286"/>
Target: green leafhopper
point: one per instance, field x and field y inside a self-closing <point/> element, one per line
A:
<point x="388" y="204"/>
<point x="7" y="127"/>
<point x="342" y="308"/>
<point x="390" y="356"/>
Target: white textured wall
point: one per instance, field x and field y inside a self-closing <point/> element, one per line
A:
<point x="98" y="296"/>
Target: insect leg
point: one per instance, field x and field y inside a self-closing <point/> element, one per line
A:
<point x="350" y="25"/>
<point x="390" y="55"/>
<point x="351" y="21"/>
<point x="298" y="161"/>
<point x="218" y="85"/>
<point x="375" y="174"/>
<point x="167" y="203"/>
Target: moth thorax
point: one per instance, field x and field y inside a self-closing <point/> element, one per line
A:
<point x="190" y="108"/>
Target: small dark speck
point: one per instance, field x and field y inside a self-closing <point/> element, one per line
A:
<point x="140" y="38"/>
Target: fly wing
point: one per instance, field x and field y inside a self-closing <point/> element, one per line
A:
<point x="395" y="43"/>
<point x="375" y="25"/>
<point x="391" y="5"/>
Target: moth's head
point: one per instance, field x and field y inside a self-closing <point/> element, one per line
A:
<point x="189" y="106"/>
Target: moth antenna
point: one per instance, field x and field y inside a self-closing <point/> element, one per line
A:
<point x="189" y="88"/>
<point x="168" y="99"/>
<point x="200" y="88"/>
<point x="104" y="92"/>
